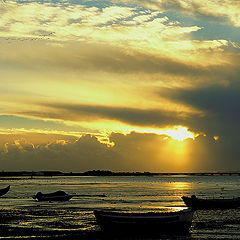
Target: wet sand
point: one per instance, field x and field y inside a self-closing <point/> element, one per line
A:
<point x="20" y="223"/>
<point x="41" y="222"/>
<point x="14" y="224"/>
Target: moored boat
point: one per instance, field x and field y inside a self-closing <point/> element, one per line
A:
<point x="55" y="196"/>
<point x="144" y="223"/>
<point x="4" y="190"/>
<point x="213" y="203"/>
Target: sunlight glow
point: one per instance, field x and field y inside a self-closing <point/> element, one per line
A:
<point x="106" y="127"/>
<point x="181" y="186"/>
<point x="216" y="138"/>
<point x="178" y="133"/>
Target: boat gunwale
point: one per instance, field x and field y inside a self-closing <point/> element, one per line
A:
<point x="112" y="213"/>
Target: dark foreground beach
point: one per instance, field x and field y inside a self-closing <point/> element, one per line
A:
<point x="20" y="223"/>
<point x="15" y="224"/>
<point x="22" y="217"/>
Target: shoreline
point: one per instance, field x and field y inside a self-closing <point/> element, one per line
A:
<point x="106" y="173"/>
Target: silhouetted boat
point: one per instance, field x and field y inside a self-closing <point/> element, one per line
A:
<point x="144" y="223"/>
<point x="56" y="196"/>
<point x="213" y="203"/>
<point x="4" y="190"/>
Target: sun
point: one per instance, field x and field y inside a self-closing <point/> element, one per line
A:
<point x="179" y="133"/>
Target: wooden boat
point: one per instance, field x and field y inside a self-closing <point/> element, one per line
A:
<point x="56" y="196"/>
<point x="214" y="203"/>
<point x="144" y="223"/>
<point x="4" y="190"/>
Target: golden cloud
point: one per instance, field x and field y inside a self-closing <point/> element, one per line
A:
<point x="226" y="9"/>
<point x="118" y="26"/>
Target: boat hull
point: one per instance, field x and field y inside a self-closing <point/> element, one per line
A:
<point x="3" y="191"/>
<point x="56" y="196"/>
<point x="202" y="204"/>
<point x="144" y="223"/>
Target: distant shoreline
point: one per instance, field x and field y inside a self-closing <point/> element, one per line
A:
<point x="109" y="173"/>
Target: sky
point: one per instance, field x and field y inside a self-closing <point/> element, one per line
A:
<point x="140" y="85"/>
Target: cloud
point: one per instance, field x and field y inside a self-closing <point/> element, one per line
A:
<point x="132" y="116"/>
<point x="62" y="153"/>
<point x="219" y="105"/>
<point x="130" y="42"/>
<point x="93" y="67"/>
<point x="226" y="10"/>
<point x="138" y="29"/>
<point x="131" y="152"/>
<point x="85" y="57"/>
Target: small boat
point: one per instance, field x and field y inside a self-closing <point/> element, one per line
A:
<point x="213" y="203"/>
<point x="56" y="196"/>
<point x="4" y="190"/>
<point x="144" y="223"/>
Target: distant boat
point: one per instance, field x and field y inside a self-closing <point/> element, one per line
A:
<point x="55" y="196"/>
<point x="141" y="223"/>
<point x="4" y="190"/>
<point x="213" y="203"/>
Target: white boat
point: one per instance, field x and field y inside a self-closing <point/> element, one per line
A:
<point x="150" y="223"/>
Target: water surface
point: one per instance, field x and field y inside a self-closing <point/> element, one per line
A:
<point x="23" y="217"/>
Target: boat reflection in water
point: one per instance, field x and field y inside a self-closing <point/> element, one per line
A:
<point x="144" y="223"/>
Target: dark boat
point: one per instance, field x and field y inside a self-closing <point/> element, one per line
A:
<point x="56" y="196"/>
<point x="214" y="203"/>
<point x="4" y="190"/>
<point x="144" y="223"/>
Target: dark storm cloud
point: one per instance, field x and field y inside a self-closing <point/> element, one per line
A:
<point x="131" y="152"/>
<point x="132" y="116"/>
<point x="218" y="102"/>
<point x="80" y="155"/>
